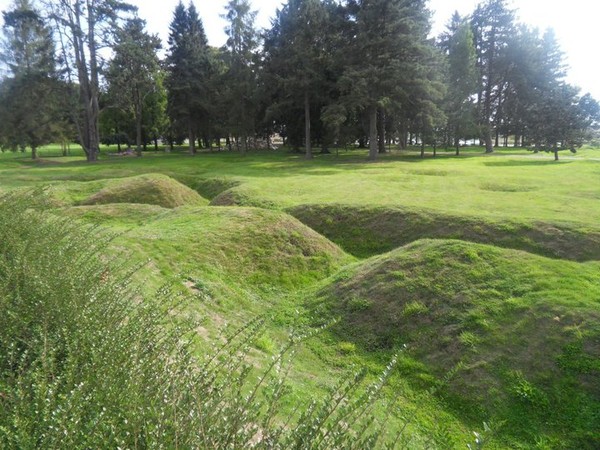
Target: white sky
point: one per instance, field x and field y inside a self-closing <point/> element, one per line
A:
<point x="574" y="21"/>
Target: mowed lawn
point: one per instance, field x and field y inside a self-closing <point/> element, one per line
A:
<point x="507" y="184"/>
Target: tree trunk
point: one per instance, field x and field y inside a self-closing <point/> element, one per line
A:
<point x="94" y="90"/>
<point x="487" y="139"/>
<point x="155" y="143"/>
<point x="191" y="139"/>
<point x="138" y="131"/>
<point x="373" y="147"/>
<point x="434" y="150"/>
<point x="244" y="144"/>
<point x="307" y="144"/>
<point x="422" y="148"/>
<point x="34" y="154"/>
<point x="555" y="150"/>
<point x="381" y="130"/>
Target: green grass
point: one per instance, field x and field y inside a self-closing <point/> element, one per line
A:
<point x="525" y="330"/>
<point x="366" y="230"/>
<point x="524" y="326"/>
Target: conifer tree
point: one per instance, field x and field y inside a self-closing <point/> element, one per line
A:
<point x="241" y="76"/>
<point x="458" y="45"/>
<point x="294" y="55"/>
<point x="188" y="71"/>
<point x="388" y="52"/>
<point x="493" y="25"/>
<point x="29" y="99"/>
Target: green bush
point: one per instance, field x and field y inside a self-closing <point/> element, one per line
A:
<point x="86" y="362"/>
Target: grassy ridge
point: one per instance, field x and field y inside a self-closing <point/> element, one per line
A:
<point x="148" y="189"/>
<point x="367" y="231"/>
<point x="524" y="329"/>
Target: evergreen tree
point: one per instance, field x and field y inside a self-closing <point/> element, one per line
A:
<point x="493" y="26"/>
<point x="388" y="53"/>
<point x="458" y="45"/>
<point x="241" y="76"/>
<point x="29" y="100"/>
<point x="294" y="56"/>
<point x="134" y="72"/>
<point x="188" y="71"/>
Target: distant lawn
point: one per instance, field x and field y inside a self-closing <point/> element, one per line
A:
<point x="510" y="183"/>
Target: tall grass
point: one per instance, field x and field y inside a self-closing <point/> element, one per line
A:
<point x="86" y="362"/>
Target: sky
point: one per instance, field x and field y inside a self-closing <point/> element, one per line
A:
<point x="575" y="23"/>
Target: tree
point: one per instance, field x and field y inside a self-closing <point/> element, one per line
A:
<point x="388" y="45"/>
<point x="29" y="98"/>
<point x="294" y="52"/>
<point x="240" y="77"/>
<point x="188" y="71"/>
<point x="493" y="26"/>
<point x="457" y="43"/>
<point x="84" y="27"/>
<point x="134" y="72"/>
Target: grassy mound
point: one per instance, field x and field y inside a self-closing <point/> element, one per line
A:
<point x="208" y="187"/>
<point x="523" y="328"/>
<point x="151" y="189"/>
<point x="237" y="196"/>
<point x="367" y="231"/>
<point x="116" y="215"/>
<point x="250" y="247"/>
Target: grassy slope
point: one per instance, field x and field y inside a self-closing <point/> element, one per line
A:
<point x="242" y="262"/>
<point x="149" y="189"/>
<point x="366" y="231"/>
<point x="519" y="201"/>
<point x="526" y="329"/>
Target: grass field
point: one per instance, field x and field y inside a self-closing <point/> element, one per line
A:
<point x="487" y="267"/>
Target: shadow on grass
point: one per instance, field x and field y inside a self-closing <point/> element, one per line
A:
<point x="515" y="163"/>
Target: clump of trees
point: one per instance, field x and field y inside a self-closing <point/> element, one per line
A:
<point x="326" y="73"/>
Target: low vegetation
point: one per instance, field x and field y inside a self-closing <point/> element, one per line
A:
<point x="85" y="362"/>
<point x="521" y="331"/>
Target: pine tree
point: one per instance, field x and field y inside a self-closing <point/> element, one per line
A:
<point x="493" y="26"/>
<point x="188" y="71"/>
<point x="29" y="99"/>
<point x="241" y="76"/>
<point x="388" y="53"/>
<point x="294" y="55"/>
<point x="458" y="45"/>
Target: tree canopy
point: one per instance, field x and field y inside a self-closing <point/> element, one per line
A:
<point x="325" y="73"/>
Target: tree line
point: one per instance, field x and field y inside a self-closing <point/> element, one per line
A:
<point x="326" y="74"/>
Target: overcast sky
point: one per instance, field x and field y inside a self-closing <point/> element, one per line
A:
<point x="574" y="21"/>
